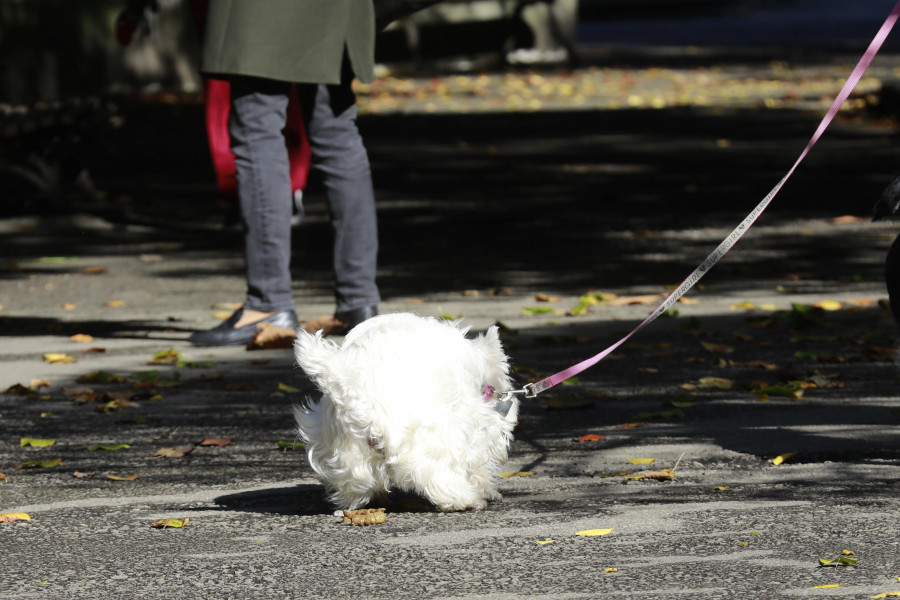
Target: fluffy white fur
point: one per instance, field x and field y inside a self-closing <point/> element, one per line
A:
<point x="403" y="407"/>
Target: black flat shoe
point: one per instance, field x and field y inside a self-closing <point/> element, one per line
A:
<point x="225" y="333"/>
<point x="352" y="318"/>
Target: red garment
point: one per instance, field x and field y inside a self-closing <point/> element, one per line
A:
<point x="217" y="106"/>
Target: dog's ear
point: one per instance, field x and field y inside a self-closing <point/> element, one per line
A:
<point x="317" y="356"/>
<point x="490" y="345"/>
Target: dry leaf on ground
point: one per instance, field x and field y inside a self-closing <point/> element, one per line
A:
<point x="58" y="358"/>
<point x="220" y="442"/>
<point x="167" y="523"/>
<point x="365" y="516"/>
<point x="272" y="337"/>
<point x="177" y="452"/>
<point x="327" y="323"/>
<point x="13" y="517"/>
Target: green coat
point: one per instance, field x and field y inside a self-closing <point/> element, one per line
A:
<point x="300" y="41"/>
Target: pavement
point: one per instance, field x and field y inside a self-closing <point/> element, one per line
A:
<point x="509" y="217"/>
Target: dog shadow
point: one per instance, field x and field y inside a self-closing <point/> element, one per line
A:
<point x="311" y="499"/>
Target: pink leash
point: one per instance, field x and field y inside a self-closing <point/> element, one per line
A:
<point x="533" y="389"/>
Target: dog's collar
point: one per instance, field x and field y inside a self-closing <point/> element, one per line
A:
<point x="504" y="404"/>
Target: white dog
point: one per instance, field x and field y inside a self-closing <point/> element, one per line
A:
<point x="410" y="403"/>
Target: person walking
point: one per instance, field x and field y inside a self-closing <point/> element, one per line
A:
<point x="262" y="47"/>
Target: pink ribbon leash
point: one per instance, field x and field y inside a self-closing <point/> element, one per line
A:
<point x="533" y="389"/>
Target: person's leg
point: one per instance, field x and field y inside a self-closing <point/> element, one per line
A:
<point x="339" y="153"/>
<point x="258" y="109"/>
<point x="264" y="189"/>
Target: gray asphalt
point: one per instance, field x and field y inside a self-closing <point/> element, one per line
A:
<point x="477" y="230"/>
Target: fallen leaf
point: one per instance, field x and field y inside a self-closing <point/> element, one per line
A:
<point x="169" y="356"/>
<point x="611" y="570"/>
<point x="887" y="595"/>
<point x="538" y="310"/>
<point x="4" y="478"/>
<point x="847" y="219"/>
<point x="827" y="586"/>
<point x="222" y="315"/>
<point x="173" y="523"/>
<point x="109" y="447"/>
<point x="328" y="324"/>
<point x="58" y="358"/>
<point x="365" y="516"/>
<point x="547" y="298"/>
<point x="287" y="389"/>
<point x="291" y="445"/>
<point x="718" y="348"/>
<point x="81" y="475"/>
<point x="783" y="457"/>
<point x="121" y="478"/>
<point x="40" y="464"/>
<point x="841" y="561"/>
<point x="220" y="442"/>
<point x="517" y="474"/>
<point x="47" y="415"/>
<point x="82" y="338"/>
<point x="543" y="542"/>
<point x="177" y="452"/>
<point x="640" y="461"/>
<point x="114" y="303"/>
<point x="100" y="377"/>
<point x="661" y="475"/>
<point x="591" y="437"/>
<point x="94" y="270"/>
<point x="273" y="337"/>
<point x="645" y="299"/>
<point x="18" y="388"/>
<point x="68" y="306"/>
<point x="706" y="383"/>
<point x="746" y="305"/>
<point x="13" y="517"/>
<point x="830" y="305"/>
<point x="631" y="425"/>
<point x="36" y="443"/>
<point x="593" y="532"/>
<point x="721" y="488"/>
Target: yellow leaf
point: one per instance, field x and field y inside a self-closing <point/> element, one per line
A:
<point x="120" y="478"/>
<point x="542" y="542"/>
<point x="40" y="464"/>
<point x="593" y="532"/>
<point x="721" y="488"/>
<point x="827" y="586"/>
<point x="222" y="315"/>
<point x="611" y="570"/>
<point x="518" y="474"/>
<point x="4" y="478"/>
<point x="165" y="523"/>
<point x="82" y="338"/>
<point x="287" y="389"/>
<point x="58" y="358"/>
<point x="640" y="461"/>
<point x="114" y="303"/>
<point x="12" y="517"/>
<point x="887" y="595"/>
<point x="746" y="305"/>
<point x="783" y="457"/>
<point x="36" y="443"/>
<point x="829" y="305"/>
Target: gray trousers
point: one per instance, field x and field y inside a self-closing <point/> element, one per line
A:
<point x="258" y="115"/>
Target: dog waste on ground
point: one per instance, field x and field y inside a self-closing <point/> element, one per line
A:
<point x="365" y="516"/>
